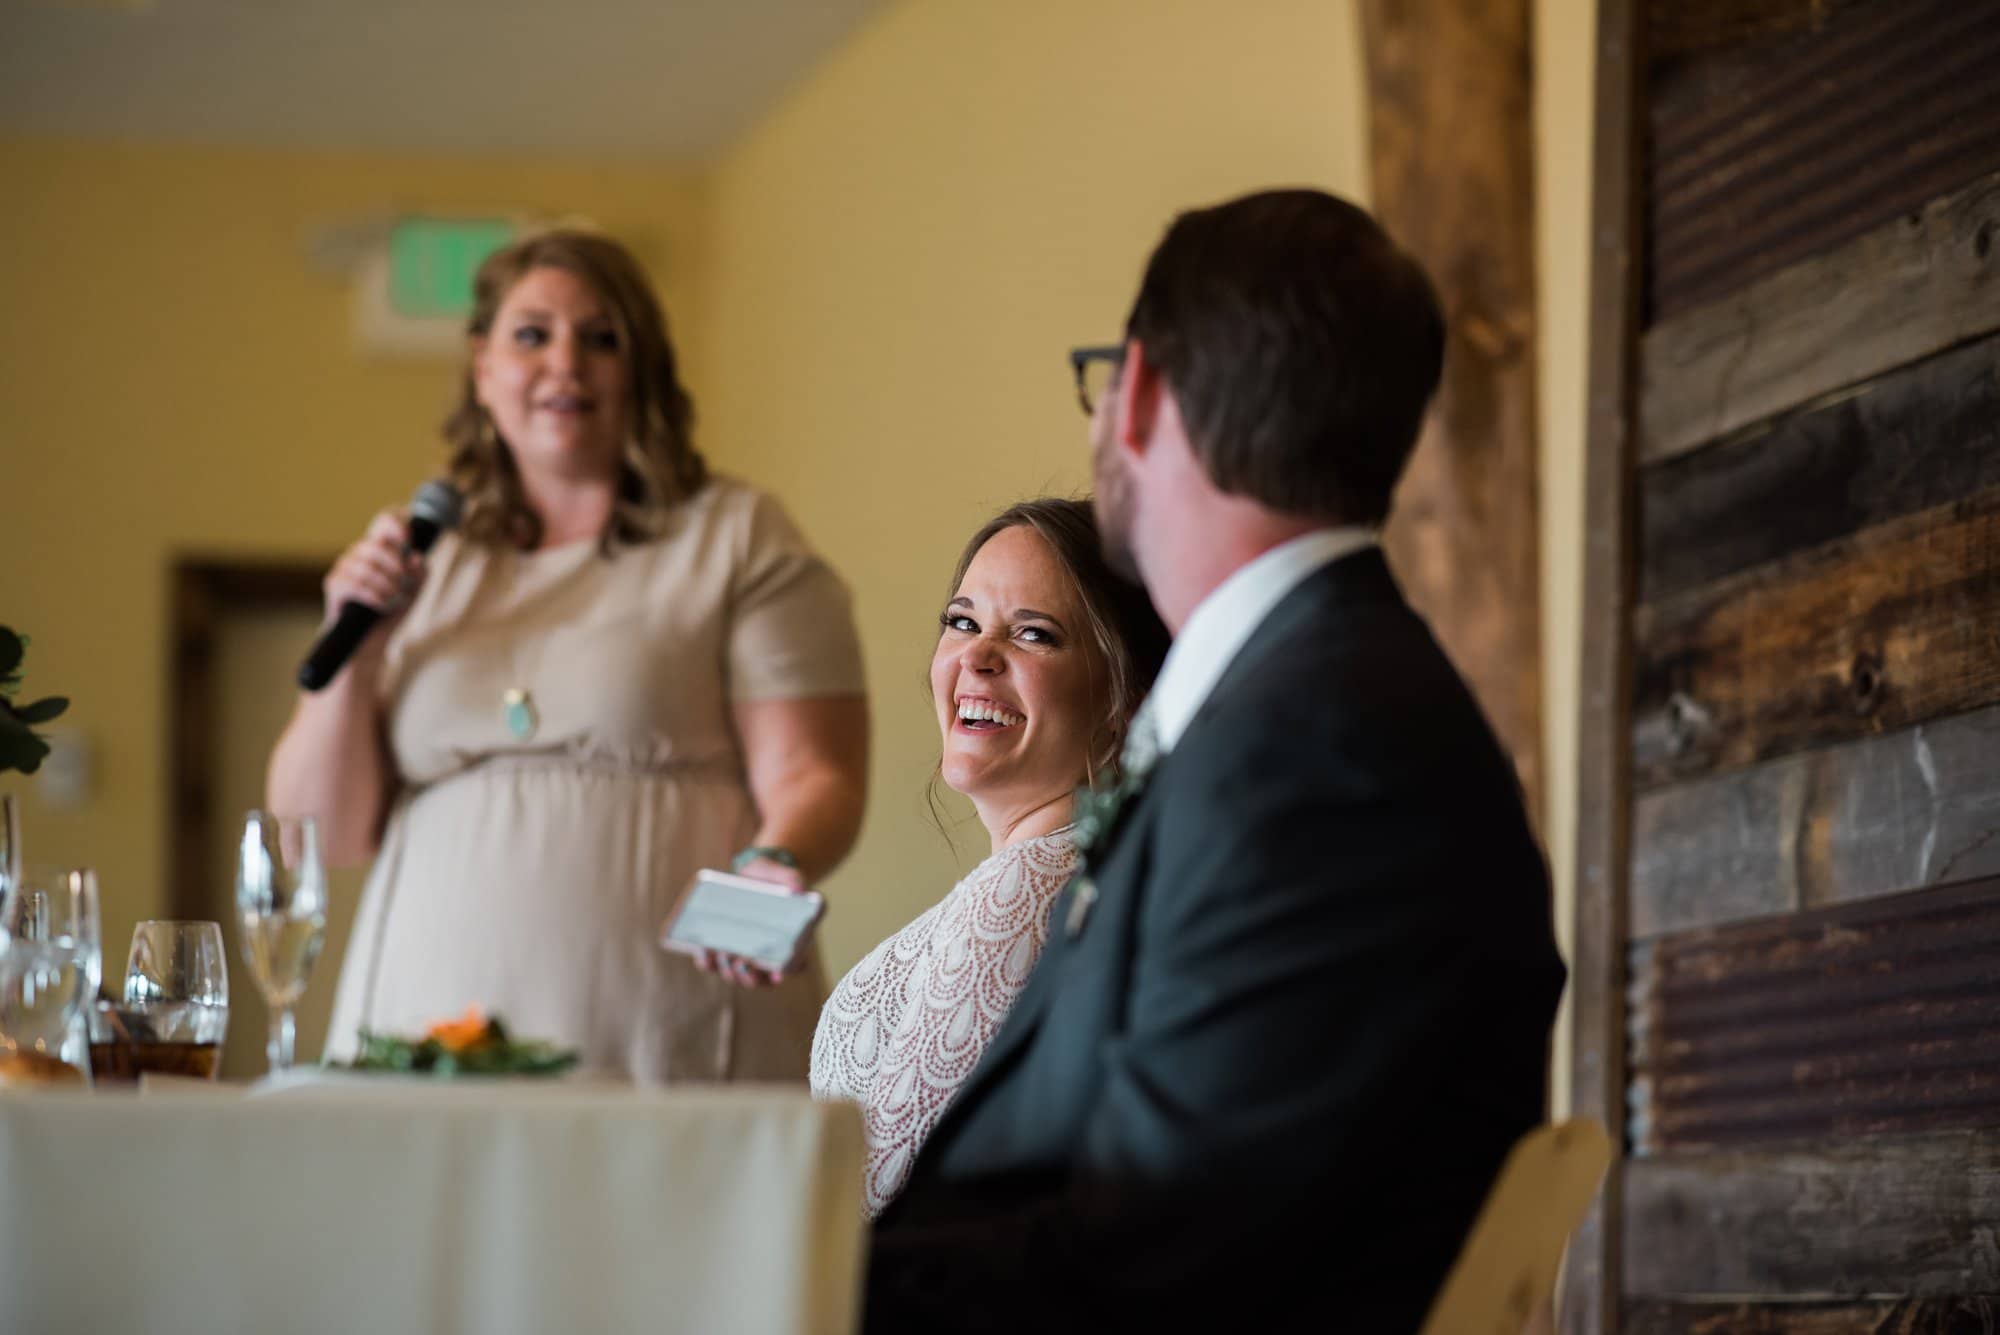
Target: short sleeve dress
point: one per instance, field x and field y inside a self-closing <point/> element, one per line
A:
<point x="532" y="853"/>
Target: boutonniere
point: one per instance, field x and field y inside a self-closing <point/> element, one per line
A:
<point x="1096" y="815"/>
<point x="1096" y="809"/>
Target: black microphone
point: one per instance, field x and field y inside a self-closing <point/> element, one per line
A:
<point x="432" y="510"/>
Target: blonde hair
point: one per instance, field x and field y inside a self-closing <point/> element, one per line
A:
<point x="658" y="467"/>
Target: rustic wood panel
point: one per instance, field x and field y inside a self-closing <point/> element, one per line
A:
<point x="1917" y="807"/>
<point x="1678" y="29"/>
<point x="1873" y="1018"/>
<point x="1895" y="626"/>
<point x="1919" y="438"/>
<point x="1454" y="182"/>
<point x="1912" y="1217"/>
<point x="1975" y="1315"/>
<point x="1814" y="1058"/>
<point x="1767" y="154"/>
<point x="1590" y="1300"/>
<point x="1911" y="287"/>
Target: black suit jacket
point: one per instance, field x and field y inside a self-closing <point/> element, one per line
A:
<point x="1280" y="1063"/>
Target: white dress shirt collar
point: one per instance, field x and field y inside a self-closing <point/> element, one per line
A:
<point x="1222" y="622"/>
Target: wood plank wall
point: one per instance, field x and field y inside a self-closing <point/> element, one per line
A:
<point x="1811" y="898"/>
<point x="1774" y="151"/>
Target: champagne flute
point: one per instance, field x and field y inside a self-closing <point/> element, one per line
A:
<point x="51" y="962"/>
<point x="281" y="896"/>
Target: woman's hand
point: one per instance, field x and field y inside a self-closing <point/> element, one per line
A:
<point x="333" y="758"/>
<point x="378" y="571"/>
<point x="747" y="972"/>
<point x="807" y="762"/>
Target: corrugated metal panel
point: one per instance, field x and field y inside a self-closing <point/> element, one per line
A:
<point x="1862" y="1019"/>
<point x="1764" y="155"/>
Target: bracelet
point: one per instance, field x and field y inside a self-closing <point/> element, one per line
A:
<point x="782" y="856"/>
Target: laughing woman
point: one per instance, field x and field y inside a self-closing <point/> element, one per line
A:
<point x="1042" y="655"/>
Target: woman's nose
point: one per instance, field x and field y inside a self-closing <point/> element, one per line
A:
<point x="563" y="354"/>
<point x="983" y="656"/>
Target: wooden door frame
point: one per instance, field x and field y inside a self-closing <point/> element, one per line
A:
<point x="1592" y="1288"/>
<point x="1451" y="166"/>
<point x="203" y="589"/>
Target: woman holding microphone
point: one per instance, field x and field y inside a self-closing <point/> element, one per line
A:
<point x="621" y="668"/>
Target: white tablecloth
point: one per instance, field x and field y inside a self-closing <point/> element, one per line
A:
<point x="461" y="1208"/>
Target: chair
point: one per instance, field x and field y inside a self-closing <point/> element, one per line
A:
<point x="1506" y="1271"/>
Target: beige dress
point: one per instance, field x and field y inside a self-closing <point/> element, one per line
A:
<point x="531" y="876"/>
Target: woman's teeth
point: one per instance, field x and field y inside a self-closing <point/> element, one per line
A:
<point x="985" y="711"/>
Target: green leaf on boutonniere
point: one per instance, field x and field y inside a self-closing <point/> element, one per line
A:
<point x="1096" y="812"/>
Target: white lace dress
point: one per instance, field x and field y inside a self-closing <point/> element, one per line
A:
<point x="907" y="1024"/>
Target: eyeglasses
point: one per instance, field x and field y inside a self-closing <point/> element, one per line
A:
<point x="1096" y="371"/>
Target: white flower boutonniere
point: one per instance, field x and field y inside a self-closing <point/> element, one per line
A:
<point x="1096" y="810"/>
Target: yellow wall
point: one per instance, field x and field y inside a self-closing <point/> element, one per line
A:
<point x="904" y="250"/>
<point x="175" y="376"/>
<point x="901" y="252"/>
<point x="873" y="290"/>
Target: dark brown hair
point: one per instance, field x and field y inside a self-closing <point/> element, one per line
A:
<point x="659" y="466"/>
<point x="1302" y="346"/>
<point x="1127" y="636"/>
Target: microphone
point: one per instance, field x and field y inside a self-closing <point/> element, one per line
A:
<point x="432" y="510"/>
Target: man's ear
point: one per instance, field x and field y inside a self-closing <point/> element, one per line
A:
<point x="1139" y="391"/>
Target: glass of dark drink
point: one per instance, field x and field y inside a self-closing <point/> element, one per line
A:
<point x="176" y="1007"/>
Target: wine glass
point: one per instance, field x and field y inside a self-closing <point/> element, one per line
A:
<point x="176" y="1007"/>
<point x="281" y="896"/>
<point x="51" y="962"/>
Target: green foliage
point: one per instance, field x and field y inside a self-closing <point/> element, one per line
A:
<point x="20" y="748"/>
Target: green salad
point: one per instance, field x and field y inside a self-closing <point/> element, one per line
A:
<point x="471" y="1045"/>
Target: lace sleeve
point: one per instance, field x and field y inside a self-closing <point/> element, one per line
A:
<point x="907" y="1025"/>
<point x="864" y="1010"/>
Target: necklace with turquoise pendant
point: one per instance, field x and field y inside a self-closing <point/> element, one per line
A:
<point x="517" y="709"/>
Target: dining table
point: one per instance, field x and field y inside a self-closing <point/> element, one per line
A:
<point x="386" y="1204"/>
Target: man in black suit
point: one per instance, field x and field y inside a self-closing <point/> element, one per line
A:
<point x="1296" y="1007"/>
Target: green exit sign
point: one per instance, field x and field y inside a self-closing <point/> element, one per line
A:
<point x="432" y="262"/>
